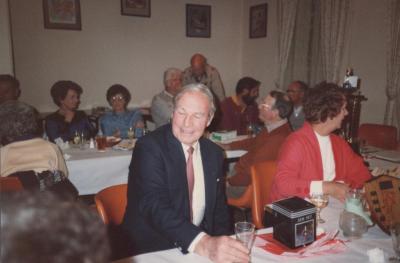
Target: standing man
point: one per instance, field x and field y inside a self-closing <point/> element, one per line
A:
<point x="240" y="111"/>
<point x="162" y="104"/>
<point x="296" y="91"/>
<point x="176" y="189"/>
<point x="201" y="72"/>
<point x="9" y="88"/>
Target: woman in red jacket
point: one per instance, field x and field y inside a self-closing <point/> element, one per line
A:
<point x="313" y="159"/>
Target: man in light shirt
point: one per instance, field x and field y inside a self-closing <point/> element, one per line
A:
<point x="313" y="159"/>
<point x="162" y="103"/>
<point x="201" y="72"/>
<point x="166" y="207"/>
<point x="296" y="92"/>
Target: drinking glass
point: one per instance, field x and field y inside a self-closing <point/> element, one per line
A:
<point x="245" y="233"/>
<point x="131" y="133"/>
<point x="395" y="233"/>
<point x="320" y="201"/>
<point x="101" y="142"/>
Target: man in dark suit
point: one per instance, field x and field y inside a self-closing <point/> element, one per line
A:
<point x="166" y="208"/>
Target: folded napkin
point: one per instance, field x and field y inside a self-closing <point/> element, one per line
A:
<point x="125" y="145"/>
<point x="325" y="244"/>
<point x="393" y="171"/>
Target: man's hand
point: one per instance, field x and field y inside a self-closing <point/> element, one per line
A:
<point x="222" y="249"/>
<point x="336" y="190"/>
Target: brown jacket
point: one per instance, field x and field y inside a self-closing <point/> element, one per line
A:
<point x="265" y="146"/>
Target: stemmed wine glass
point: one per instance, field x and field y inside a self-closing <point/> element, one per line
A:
<point x="395" y="233"/>
<point x="245" y="233"/>
<point x="320" y="201"/>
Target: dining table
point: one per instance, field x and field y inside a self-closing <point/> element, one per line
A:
<point x="91" y="170"/>
<point x="355" y="250"/>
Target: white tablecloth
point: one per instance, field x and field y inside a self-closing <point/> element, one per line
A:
<point x="356" y="251"/>
<point x="91" y="171"/>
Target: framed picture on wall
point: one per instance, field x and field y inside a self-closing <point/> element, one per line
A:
<point x="258" y="21"/>
<point x="62" y="14"/>
<point x="198" y="20"/>
<point x="136" y="8"/>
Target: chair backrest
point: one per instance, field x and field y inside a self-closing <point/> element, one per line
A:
<point x="10" y="184"/>
<point x="262" y="176"/>
<point x="111" y="203"/>
<point x="379" y="135"/>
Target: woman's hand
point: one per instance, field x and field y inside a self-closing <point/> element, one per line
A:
<point x="336" y="190"/>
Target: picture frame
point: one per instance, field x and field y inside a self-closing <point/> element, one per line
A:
<point x="258" y="21"/>
<point x="136" y="8"/>
<point x="198" y="20"/>
<point x="62" y="14"/>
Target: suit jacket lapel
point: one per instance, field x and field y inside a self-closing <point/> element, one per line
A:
<point x="176" y="154"/>
<point x="209" y="170"/>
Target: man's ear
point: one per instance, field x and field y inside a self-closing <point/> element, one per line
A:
<point x="210" y="120"/>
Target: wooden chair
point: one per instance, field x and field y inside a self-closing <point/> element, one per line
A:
<point x="111" y="203"/>
<point x="257" y="193"/>
<point x="262" y="177"/>
<point x="379" y="135"/>
<point x="10" y="184"/>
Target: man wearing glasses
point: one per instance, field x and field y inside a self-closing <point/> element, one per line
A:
<point x="296" y="91"/>
<point x="273" y="112"/>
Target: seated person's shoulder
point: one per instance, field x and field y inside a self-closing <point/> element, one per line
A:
<point x="53" y="116"/>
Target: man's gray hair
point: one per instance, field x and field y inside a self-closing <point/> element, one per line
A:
<point x="197" y="87"/>
<point x="17" y="120"/>
<point x="170" y="73"/>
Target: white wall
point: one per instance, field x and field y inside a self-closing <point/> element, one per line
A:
<point x="260" y="54"/>
<point x="111" y="48"/>
<point x="134" y="51"/>
<point x="6" y="64"/>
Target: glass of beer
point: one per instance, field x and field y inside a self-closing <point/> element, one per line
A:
<point x="101" y="142"/>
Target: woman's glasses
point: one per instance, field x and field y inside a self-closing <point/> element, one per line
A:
<point x="117" y="98"/>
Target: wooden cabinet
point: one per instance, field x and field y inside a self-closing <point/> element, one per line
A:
<point x="352" y="120"/>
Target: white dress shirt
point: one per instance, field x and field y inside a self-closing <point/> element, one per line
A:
<point x="199" y="196"/>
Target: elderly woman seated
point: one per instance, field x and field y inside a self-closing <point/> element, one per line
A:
<point x="38" y="164"/>
<point x="120" y="120"/>
<point x="313" y="160"/>
<point x="67" y="121"/>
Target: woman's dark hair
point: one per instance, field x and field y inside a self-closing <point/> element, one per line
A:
<point x="118" y="89"/>
<point x="246" y="83"/>
<point x="323" y="101"/>
<point x="60" y="89"/>
<point x="282" y="103"/>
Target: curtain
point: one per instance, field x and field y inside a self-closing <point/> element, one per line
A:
<point x="334" y="19"/>
<point x="286" y="25"/>
<point x="392" y="113"/>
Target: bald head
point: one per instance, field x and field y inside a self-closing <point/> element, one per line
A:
<point x="198" y="63"/>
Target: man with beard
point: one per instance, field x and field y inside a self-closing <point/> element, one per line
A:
<point x="240" y="111"/>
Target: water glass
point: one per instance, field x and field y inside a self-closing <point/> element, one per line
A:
<point x="245" y="233"/>
<point x="395" y="233"/>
